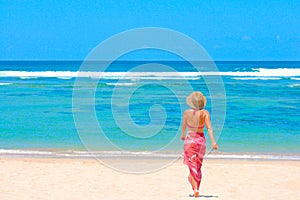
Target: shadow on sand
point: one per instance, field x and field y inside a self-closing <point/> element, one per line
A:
<point x="205" y="196"/>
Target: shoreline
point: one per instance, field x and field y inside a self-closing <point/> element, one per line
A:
<point x="132" y="159"/>
<point x="170" y="155"/>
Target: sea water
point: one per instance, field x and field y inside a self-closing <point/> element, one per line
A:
<point x="37" y="108"/>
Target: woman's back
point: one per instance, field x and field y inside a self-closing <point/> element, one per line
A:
<point x="195" y="119"/>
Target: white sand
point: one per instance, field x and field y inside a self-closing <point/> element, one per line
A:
<point x="25" y="178"/>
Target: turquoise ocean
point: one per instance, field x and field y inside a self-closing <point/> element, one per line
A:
<point x="37" y="112"/>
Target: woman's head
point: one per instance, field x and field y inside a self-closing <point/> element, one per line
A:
<point x="196" y="100"/>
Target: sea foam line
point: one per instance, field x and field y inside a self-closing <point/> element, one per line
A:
<point x="294" y="85"/>
<point x="5" y="83"/>
<point x="141" y="154"/>
<point x="257" y="78"/>
<point x="257" y="72"/>
<point x="121" y="84"/>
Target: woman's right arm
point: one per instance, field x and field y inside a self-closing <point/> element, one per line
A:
<point x="210" y="130"/>
<point x="183" y="128"/>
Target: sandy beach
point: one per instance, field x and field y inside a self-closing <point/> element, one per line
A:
<point x="44" y="178"/>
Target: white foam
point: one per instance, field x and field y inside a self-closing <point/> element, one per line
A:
<point x="257" y="78"/>
<point x="103" y="75"/>
<point x="19" y="151"/>
<point x="28" y="77"/>
<point x="254" y="156"/>
<point x="257" y="72"/>
<point x="294" y="85"/>
<point x="5" y="83"/>
<point x="65" y="77"/>
<point x="295" y="78"/>
<point x="278" y="72"/>
<point x="246" y="78"/>
<point x="141" y="154"/>
<point x="270" y="78"/>
<point x="121" y="84"/>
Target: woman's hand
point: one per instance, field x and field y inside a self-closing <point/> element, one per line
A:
<point x="215" y="146"/>
<point x="183" y="137"/>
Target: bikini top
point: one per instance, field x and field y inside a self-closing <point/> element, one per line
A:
<point x="189" y="126"/>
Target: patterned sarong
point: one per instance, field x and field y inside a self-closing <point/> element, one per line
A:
<point x="194" y="151"/>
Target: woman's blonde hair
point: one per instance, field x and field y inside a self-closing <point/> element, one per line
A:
<point x="196" y="100"/>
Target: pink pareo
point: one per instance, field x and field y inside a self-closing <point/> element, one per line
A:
<point x="194" y="151"/>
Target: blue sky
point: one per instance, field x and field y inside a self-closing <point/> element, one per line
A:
<point x="228" y="30"/>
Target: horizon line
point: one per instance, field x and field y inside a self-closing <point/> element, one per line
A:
<point x="59" y="60"/>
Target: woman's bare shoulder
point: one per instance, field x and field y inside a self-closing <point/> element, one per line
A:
<point x="205" y="112"/>
<point x="188" y="111"/>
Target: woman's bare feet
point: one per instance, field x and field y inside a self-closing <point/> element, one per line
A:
<point x="196" y="193"/>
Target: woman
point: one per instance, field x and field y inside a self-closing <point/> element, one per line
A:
<point x="195" y="120"/>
